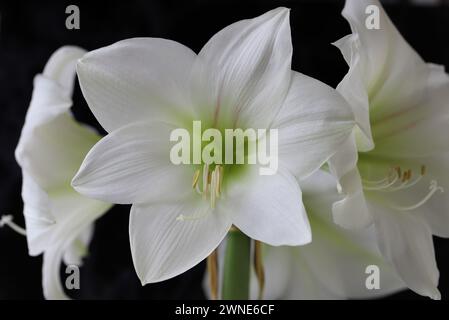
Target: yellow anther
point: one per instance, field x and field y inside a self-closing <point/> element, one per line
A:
<point x="404" y="176"/>
<point x="409" y="174"/>
<point x="218" y="177"/>
<point x="196" y="178"/>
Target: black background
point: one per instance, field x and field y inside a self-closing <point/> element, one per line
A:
<point x="31" y="31"/>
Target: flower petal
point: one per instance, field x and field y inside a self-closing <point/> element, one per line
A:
<point x="136" y="79"/>
<point x="354" y="91"/>
<point x="312" y="124"/>
<point x="386" y="60"/>
<point x="243" y="73"/>
<point x="163" y="247"/>
<point x="51" y="281"/>
<point x="74" y="215"/>
<point x="39" y="220"/>
<point x="132" y="165"/>
<point x="422" y="129"/>
<point x="52" y="152"/>
<point x="269" y="208"/>
<point x="350" y="212"/>
<point x="405" y="240"/>
<point x="79" y="248"/>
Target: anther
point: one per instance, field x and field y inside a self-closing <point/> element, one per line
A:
<point x="196" y="178"/>
<point x="404" y="176"/>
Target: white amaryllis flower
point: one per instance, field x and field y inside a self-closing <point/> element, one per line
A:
<point x="334" y="265"/>
<point x="141" y="89"/>
<point x="393" y="170"/>
<point x="50" y="150"/>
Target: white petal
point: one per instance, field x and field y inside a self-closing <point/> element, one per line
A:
<point x="269" y="208"/>
<point x="74" y="215"/>
<point x="79" y="248"/>
<point x="405" y="240"/>
<point x="51" y="281"/>
<point x="136" y="79"/>
<point x="242" y="74"/>
<point x="312" y="124"/>
<point x="39" y="220"/>
<point x="52" y="91"/>
<point x="421" y="129"/>
<point x="350" y="212"/>
<point x="52" y="152"/>
<point x="61" y="66"/>
<point x="354" y="91"/>
<point x="163" y="247"/>
<point x="391" y="70"/>
<point x="132" y="165"/>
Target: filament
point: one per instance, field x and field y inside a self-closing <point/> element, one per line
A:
<point x="434" y="187"/>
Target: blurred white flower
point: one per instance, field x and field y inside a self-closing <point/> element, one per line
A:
<point x="334" y="264"/>
<point x="51" y="148"/>
<point x="394" y="168"/>
<point x="141" y="89"/>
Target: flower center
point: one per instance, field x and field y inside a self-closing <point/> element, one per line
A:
<point x="397" y="180"/>
<point x="207" y="183"/>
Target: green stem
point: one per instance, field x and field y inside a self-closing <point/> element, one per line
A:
<point x="236" y="266"/>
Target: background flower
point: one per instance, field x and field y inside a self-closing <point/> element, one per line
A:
<point x="402" y="105"/>
<point x="50" y="150"/>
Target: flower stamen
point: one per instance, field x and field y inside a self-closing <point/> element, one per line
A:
<point x="388" y="184"/>
<point x="434" y="187"/>
<point x="196" y="178"/>
<point x="211" y="186"/>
